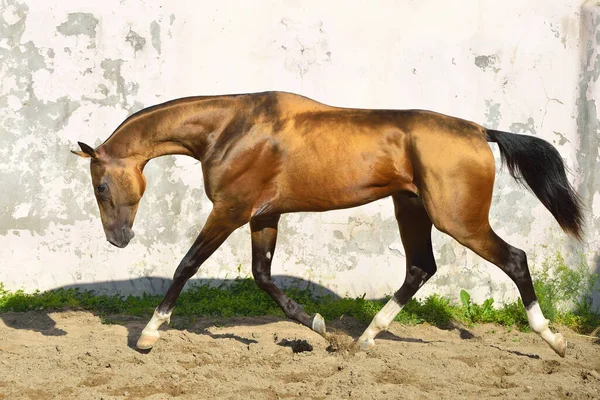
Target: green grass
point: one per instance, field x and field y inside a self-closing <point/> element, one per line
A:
<point x="564" y="296"/>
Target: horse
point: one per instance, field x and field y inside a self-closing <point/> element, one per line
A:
<point x="266" y="154"/>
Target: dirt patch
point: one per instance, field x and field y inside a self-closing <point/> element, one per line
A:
<point x="339" y="342"/>
<point x="72" y="355"/>
<point x="297" y="346"/>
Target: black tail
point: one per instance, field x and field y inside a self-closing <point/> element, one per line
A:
<point x="539" y="164"/>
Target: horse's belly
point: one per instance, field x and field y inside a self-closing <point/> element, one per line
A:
<point x="324" y="185"/>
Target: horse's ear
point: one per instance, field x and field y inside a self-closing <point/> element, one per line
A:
<point x="80" y="153"/>
<point x="86" y="152"/>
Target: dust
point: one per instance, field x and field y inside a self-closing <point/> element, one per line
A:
<point x="340" y="342"/>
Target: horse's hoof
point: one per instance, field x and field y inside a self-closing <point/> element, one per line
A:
<point x="318" y="324"/>
<point x="560" y="345"/>
<point x="365" y="344"/>
<point x="147" y="340"/>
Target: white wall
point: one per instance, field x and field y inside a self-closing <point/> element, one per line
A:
<point x="73" y="70"/>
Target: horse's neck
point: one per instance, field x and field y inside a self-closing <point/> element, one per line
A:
<point x="177" y="127"/>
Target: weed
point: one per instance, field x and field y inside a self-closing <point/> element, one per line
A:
<point x="565" y="294"/>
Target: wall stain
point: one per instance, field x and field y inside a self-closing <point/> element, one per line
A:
<point x="112" y="73"/>
<point x="172" y="203"/>
<point x="40" y="195"/>
<point x="492" y="114"/>
<point x="155" y="33"/>
<point x="137" y="42"/>
<point x="484" y="62"/>
<point x="588" y="121"/>
<point x="519" y="127"/>
<point x="80" y="24"/>
<point x="562" y="138"/>
<point x="447" y="255"/>
<point x="13" y="30"/>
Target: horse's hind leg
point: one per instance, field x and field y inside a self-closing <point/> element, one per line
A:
<point x="219" y="225"/>
<point x="513" y="262"/>
<point x="458" y="203"/>
<point x="415" y="230"/>
<point x="264" y="237"/>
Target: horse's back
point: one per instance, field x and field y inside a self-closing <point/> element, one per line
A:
<point x="338" y="157"/>
<point x="323" y="157"/>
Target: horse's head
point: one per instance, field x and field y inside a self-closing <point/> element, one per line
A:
<point x="118" y="186"/>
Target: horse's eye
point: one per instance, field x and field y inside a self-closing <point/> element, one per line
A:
<point x="101" y="188"/>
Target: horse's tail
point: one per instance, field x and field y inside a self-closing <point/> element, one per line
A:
<point x="539" y="164"/>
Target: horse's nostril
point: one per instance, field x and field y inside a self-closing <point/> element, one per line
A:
<point x="127" y="234"/>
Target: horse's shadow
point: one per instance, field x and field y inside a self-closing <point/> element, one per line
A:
<point x="43" y="323"/>
<point x="203" y="326"/>
<point x="39" y="321"/>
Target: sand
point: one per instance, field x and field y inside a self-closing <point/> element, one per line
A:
<point x="75" y="355"/>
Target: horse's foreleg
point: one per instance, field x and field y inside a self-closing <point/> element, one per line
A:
<point x="264" y="237"/>
<point x="217" y="228"/>
<point x="415" y="230"/>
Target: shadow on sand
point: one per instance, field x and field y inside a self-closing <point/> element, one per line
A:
<point x="42" y="322"/>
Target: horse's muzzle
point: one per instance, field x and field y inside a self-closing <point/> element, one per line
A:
<point x="120" y="238"/>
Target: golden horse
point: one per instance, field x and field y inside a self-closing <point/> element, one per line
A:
<point x="266" y="154"/>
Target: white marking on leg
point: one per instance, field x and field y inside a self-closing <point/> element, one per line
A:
<point x="150" y="333"/>
<point x="539" y="324"/>
<point x="381" y="322"/>
<point x="537" y="321"/>
<point x="269" y="255"/>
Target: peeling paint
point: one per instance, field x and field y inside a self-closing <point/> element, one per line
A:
<point x="12" y="23"/>
<point x="447" y="256"/>
<point x="171" y="202"/>
<point x="528" y="127"/>
<point x="484" y="62"/>
<point x="155" y="33"/>
<point x="137" y="42"/>
<point x="122" y="89"/>
<point x="492" y="114"/>
<point x="80" y="24"/>
<point x="562" y="138"/>
<point x="588" y="119"/>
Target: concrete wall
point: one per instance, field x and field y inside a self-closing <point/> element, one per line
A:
<point x="73" y="70"/>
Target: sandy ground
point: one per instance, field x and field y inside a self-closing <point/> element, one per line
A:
<point x="73" y="355"/>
